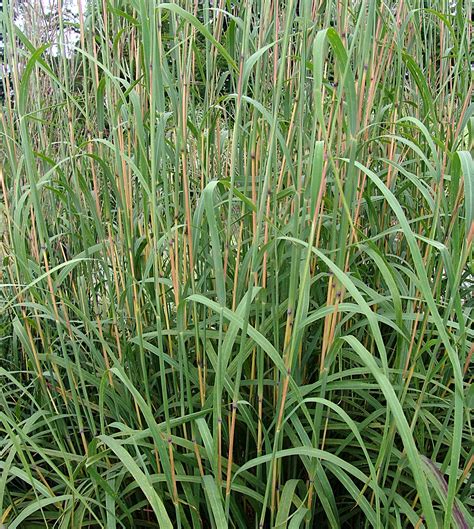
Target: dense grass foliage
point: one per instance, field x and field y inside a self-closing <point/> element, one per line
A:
<point x="237" y="267"/>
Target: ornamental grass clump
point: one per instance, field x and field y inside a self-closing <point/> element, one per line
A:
<point x="236" y="264"/>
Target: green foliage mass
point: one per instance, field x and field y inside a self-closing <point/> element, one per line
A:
<point x="236" y="266"/>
